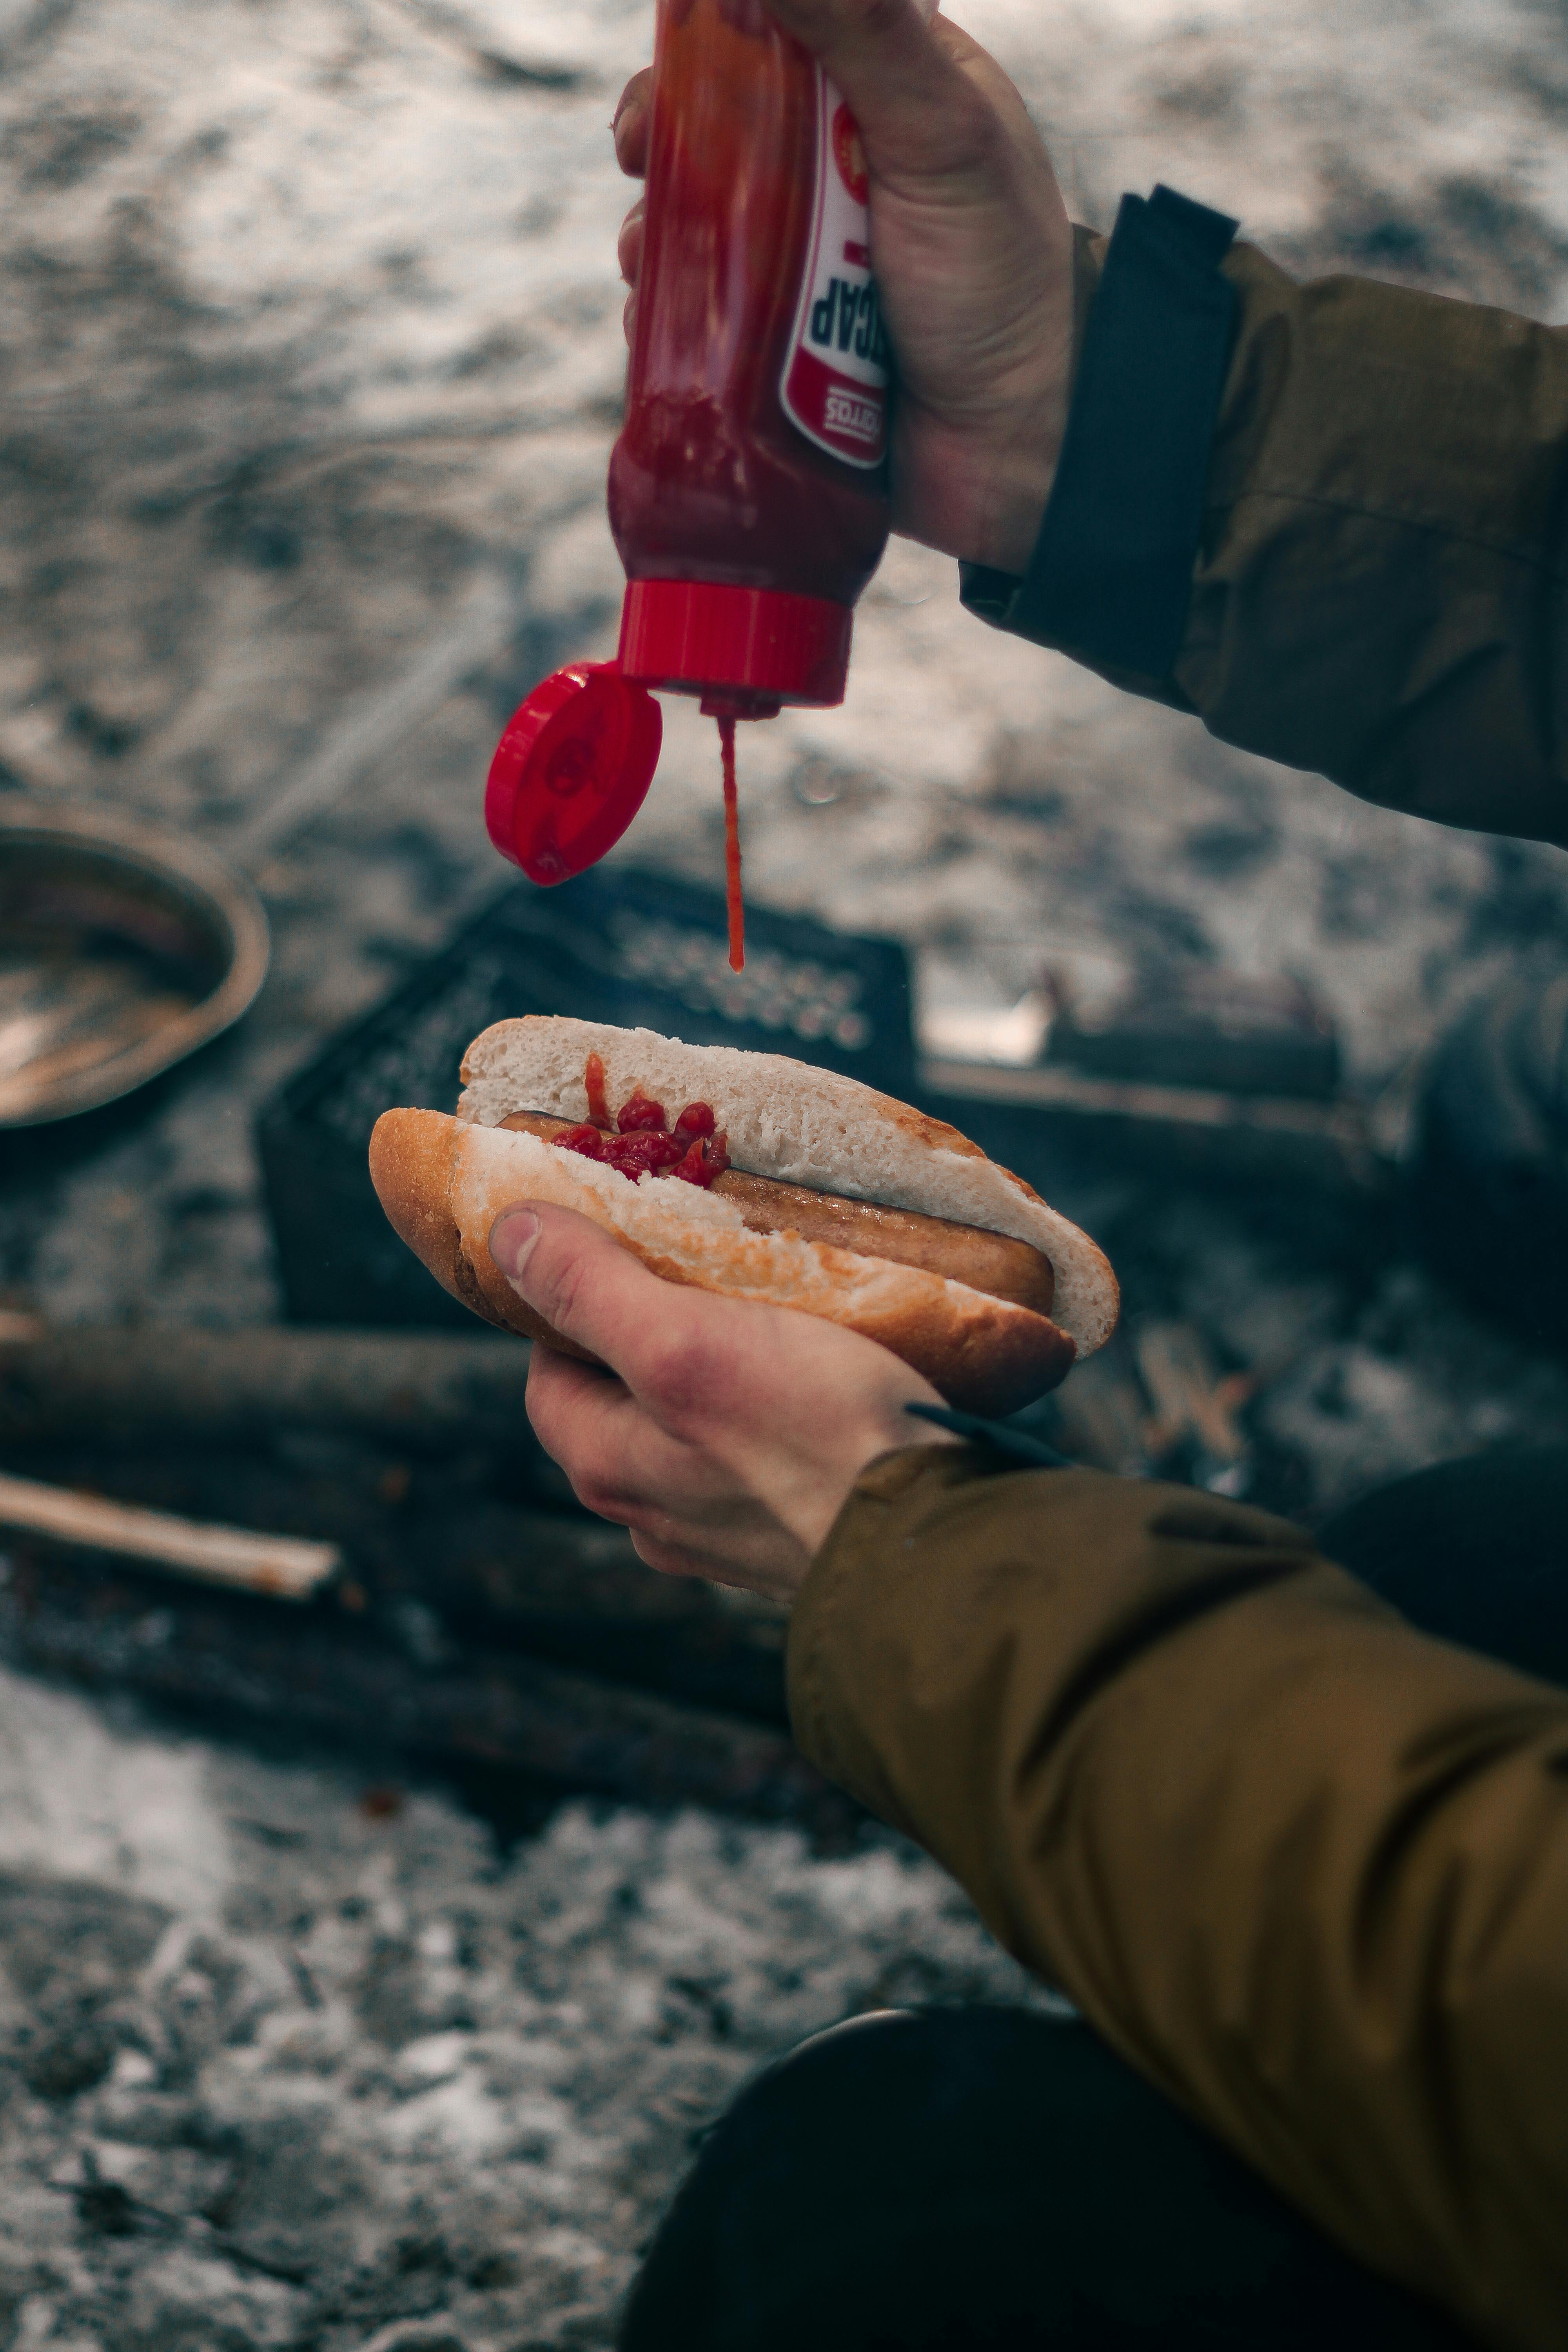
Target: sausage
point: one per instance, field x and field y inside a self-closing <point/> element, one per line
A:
<point x="993" y="1263"/>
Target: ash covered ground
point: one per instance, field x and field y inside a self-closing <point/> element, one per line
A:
<point x="289" y="2063"/>
<point x="309" y="364"/>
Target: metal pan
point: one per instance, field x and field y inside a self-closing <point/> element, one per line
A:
<point x="122" y="948"/>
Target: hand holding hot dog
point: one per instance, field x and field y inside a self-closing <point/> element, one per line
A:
<point x="726" y="1435"/>
<point x="752" y="1339"/>
<point x="973" y="251"/>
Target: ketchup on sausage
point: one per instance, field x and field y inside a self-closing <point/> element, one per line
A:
<point x="695" y="1158"/>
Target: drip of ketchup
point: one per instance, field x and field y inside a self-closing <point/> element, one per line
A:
<point x="747" y="492"/>
<point x="733" y="907"/>
<point x="593" y="1085"/>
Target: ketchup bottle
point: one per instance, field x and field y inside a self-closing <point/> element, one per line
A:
<point x="747" y="490"/>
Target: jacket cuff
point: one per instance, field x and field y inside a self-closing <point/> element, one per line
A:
<point x="1110" y="577"/>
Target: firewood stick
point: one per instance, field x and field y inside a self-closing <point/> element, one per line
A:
<point x="285" y="1567"/>
<point x="556" y="1583"/>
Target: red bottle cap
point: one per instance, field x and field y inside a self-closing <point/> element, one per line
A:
<point x="572" y="770"/>
<point x="746" y="651"/>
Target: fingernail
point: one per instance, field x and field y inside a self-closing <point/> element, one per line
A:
<point x="511" y="1242"/>
<point x="624" y="106"/>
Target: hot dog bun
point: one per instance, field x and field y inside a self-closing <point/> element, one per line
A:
<point x="443" y="1181"/>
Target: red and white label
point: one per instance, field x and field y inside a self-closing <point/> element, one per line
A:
<point x="835" y="383"/>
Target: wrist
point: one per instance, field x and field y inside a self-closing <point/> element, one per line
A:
<point x="1014" y="504"/>
<point x="816" y="1499"/>
<point x="981" y="499"/>
<point x="1004" y="465"/>
<point x="1026" y="440"/>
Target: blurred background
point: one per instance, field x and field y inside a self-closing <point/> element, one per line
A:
<point x="372" y="2025"/>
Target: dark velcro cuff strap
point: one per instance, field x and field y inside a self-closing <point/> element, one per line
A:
<point x="1110" y="576"/>
<point x="1011" y="1444"/>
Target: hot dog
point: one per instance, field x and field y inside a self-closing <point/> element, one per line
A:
<point x="993" y="1263"/>
<point x="756" y="1176"/>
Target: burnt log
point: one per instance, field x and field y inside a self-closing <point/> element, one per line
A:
<point x="235" y="1660"/>
<point x="425" y="1393"/>
<point x="556" y="1585"/>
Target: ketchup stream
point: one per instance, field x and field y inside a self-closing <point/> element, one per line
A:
<point x="734" y="907"/>
<point x="594" y="1086"/>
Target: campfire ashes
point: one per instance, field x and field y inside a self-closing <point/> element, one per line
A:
<point x="287" y="2062"/>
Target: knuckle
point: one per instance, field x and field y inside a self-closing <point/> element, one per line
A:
<point x="561" y="1284"/>
<point x="974" y="145"/>
<point x="820" y="23"/>
<point x="999" y="159"/>
<point x="874" y="20"/>
<point x="597" y="1488"/>
<point x="680" y="1373"/>
<point x="542" y="1416"/>
<point x="634" y="95"/>
<point x="599" y="1494"/>
<point x="666" y="1557"/>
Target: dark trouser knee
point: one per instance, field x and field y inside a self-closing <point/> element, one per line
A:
<point x="993" y="2178"/>
<point x="1475" y="1551"/>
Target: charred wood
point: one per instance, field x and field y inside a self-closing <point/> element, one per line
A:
<point x="555" y="1585"/>
<point x="425" y="1392"/>
<point x="319" y="1672"/>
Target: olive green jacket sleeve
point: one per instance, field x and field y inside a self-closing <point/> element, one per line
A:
<point x="1304" y="1867"/>
<point x="1381" y="591"/>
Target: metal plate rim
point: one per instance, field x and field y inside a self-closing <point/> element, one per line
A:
<point x="205" y="875"/>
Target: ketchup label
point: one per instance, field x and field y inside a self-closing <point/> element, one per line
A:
<point x="835" y="384"/>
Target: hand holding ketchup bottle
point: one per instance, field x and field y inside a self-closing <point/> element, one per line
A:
<point x="747" y="490"/>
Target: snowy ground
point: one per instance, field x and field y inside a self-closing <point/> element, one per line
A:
<point x="309" y="362"/>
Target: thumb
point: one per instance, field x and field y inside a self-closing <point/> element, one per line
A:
<point x="581" y="1281"/>
<point x="919" y="115"/>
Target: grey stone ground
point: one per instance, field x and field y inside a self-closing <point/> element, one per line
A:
<point x="308" y="335"/>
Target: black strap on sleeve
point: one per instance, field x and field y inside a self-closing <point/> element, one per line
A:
<point x="1110" y="576"/>
<point x="1013" y="1445"/>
